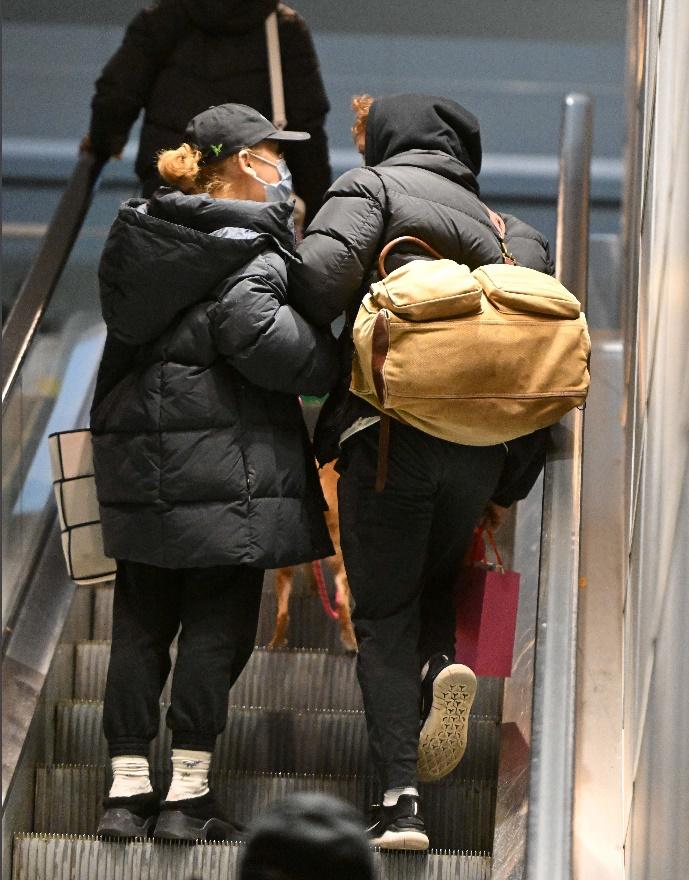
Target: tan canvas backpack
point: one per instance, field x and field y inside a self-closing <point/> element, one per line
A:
<point x="475" y="357"/>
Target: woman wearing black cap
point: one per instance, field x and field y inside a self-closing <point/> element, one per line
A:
<point x="204" y="470"/>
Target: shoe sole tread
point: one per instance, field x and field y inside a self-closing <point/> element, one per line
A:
<point x="443" y="737"/>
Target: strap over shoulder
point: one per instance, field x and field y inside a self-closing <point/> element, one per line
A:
<point x="391" y="245"/>
<point x="500" y="230"/>
<point x="277" y="91"/>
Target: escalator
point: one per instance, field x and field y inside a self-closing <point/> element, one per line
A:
<point x="295" y="721"/>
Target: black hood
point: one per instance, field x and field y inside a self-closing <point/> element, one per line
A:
<point x="399" y="123"/>
<point x="229" y="16"/>
<point x="206" y="214"/>
<point x="167" y="254"/>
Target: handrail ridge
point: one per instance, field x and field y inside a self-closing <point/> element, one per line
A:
<point x="38" y="286"/>
<point x="550" y="816"/>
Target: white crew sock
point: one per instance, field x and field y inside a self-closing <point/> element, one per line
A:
<point x="189" y="774"/>
<point x="130" y="776"/>
<point x="392" y="795"/>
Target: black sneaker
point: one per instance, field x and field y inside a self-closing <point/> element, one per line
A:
<point x="400" y="826"/>
<point x="132" y="816"/>
<point x="447" y="693"/>
<point x="197" y="818"/>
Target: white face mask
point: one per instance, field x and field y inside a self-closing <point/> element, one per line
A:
<point x="280" y="191"/>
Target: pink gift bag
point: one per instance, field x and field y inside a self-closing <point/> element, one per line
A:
<point x="486" y="599"/>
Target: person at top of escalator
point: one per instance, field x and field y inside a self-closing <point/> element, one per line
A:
<point x="204" y="470"/>
<point x="403" y="546"/>
<point x="180" y="56"/>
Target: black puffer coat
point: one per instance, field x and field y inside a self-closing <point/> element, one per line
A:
<point x="422" y="158"/>
<point x="200" y="449"/>
<point x="179" y="57"/>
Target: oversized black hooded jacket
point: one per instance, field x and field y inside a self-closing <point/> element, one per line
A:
<point x="422" y="155"/>
<point x="200" y="450"/>
<point x="179" y="57"/>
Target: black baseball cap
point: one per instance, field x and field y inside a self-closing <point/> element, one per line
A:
<point x="220" y="131"/>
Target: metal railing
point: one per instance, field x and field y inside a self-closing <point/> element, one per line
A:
<point x="35" y="625"/>
<point x="44" y="274"/>
<point x="550" y="817"/>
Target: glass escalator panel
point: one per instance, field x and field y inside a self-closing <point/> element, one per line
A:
<point x="26" y="211"/>
<point x="51" y="392"/>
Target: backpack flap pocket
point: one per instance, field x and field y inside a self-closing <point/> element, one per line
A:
<point x="518" y="290"/>
<point x="428" y="290"/>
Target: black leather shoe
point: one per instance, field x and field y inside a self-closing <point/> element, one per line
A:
<point x="198" y="818"/>
<point x="132" y="816"/>
<point x="400" y="826"/>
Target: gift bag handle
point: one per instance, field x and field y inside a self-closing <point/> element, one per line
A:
<point x="481" y="530"/>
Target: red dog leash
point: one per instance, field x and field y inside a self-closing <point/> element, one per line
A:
<point x="323" y="590"/>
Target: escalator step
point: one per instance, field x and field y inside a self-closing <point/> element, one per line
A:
<point x="79" y="623"/>
<point x="300" y="678"/>
<point x="457" y="816"/>
<point x="102" y="612"/>
<point x="308" y="628"/>
<point x="59" y="683"/>
<point x="50" y="857"/>
<point x="283" y="740"/>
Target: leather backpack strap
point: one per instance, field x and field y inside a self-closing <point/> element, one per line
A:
<point x="500" y="230"/>
<point x="385" y="420"/>
<point x="391" y="245"/>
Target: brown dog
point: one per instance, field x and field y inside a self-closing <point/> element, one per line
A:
<point x="284" y="579"/>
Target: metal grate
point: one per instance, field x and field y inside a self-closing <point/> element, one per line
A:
<point x="287" y="740"/>
<point x="50" y="857"/>
<point x="459" y="812"/>
<point x="300" y="678"/>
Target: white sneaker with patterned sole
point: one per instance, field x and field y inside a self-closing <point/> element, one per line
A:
<point x="399" y="826"/>
<point x="404" y="840"/>
<point x="443" y="738"/>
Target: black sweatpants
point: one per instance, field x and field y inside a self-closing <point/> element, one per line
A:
<point x="217" y="609"/>
<point x="402" y="550"/>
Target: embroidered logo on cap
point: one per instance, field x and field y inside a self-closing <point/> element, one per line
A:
<point x="217" y="148"/>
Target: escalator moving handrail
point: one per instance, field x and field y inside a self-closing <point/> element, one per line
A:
<point x="551" y="797"/>
<point x="44" y="274"/>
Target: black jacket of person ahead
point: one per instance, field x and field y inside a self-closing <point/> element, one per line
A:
<point x="201" y="453"/>
<point x="179" y="57"/>
<point x="422" y="156"/>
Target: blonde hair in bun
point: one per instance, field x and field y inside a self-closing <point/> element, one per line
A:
<point x="180" y="167"/>
<point x="183" y="168"/>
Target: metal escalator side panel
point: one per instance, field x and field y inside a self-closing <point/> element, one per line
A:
<point x="551" y="782"/>
<point x="515" y="730"/>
